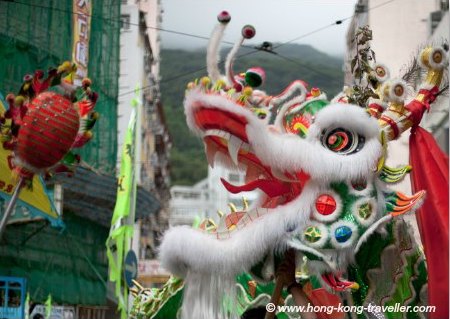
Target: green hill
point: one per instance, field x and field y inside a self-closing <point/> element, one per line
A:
<point x="178" y="67"/>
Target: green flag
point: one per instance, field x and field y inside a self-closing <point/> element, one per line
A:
<point x="27" y="306"/>
<point x="119" y="240"/>
<point x="48" y="307"/>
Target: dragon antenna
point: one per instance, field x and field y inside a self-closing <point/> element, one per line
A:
<point x="212" y="56"/>
<point x="248" y="32"/>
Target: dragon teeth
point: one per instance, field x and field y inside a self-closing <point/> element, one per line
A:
<point x="210" y="154"/>
<point x="234" y="144"/>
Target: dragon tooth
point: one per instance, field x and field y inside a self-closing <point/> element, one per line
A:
<point x="245" y="203"/>
<point x="210" y="154"/>
<point x="232" y="207"/>
<point x="234" y="145"/>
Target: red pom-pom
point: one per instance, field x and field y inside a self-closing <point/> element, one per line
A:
<point x="224" y="17"/>
<point x="27" y="78"/>
<point x="248" y="31"/>
<point x="39" y="74"/>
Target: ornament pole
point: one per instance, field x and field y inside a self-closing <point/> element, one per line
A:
<point x="275" y="299"/>
<point x="11" y="205"/>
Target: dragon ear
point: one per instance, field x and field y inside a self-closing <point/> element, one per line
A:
<point x="294" y="94"/>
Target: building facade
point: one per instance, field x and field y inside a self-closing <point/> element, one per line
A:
<point x="69" y="264"/>
<point x="139" y="79"/>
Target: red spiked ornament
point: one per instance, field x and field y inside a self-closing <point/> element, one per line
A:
<point x="48" y="131"/>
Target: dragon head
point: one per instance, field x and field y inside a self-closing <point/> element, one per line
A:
<point x="319" y="166"/>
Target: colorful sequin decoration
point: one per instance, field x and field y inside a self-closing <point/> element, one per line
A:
<point x="325" y="204"/>
<point x="343" y="233"/>
<point x="365" y="210"/>
<point x="313" y="234"/>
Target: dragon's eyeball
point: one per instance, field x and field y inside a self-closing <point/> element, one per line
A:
<point x="342" y="141"/>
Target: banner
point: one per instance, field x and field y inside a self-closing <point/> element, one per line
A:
<point x="122" y="224"/>
<point x="81" y="29"/>
<point x="36" y="198"/>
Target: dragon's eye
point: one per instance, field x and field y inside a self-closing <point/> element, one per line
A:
<point x="342" y="141"/>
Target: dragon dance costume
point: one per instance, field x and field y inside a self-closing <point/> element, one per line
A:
<point x="320" y="167"/>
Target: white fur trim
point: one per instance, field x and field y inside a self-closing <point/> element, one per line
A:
<point x="288" y="152"/>
<point x="386" y="76"/>
<point x="355" y="210"/>
<point x="185" y="248"/>
<point x="392" y="84"/>
<point x="207" y="296"/>
<point x="334" y="215"/>
<point x="347" y="243"/>
<point x="434" y="65"/>
<point x="323" y="231"/>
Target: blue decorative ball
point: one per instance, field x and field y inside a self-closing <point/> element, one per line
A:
<point x="342" y="234"/>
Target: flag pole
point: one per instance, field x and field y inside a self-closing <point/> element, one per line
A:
<point x="11" y="205"/>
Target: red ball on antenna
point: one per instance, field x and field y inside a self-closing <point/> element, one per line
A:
<point x="248" y="31"/>
<point x="224" y="17"/>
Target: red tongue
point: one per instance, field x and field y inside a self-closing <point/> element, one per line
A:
<point x="272" y="188"/>
<point x="337" y="283"/>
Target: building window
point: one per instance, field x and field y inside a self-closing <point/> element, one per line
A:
<point x="125" y="22"/>
<point x="234" y="178"/>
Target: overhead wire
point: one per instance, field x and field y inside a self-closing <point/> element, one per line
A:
<point x="114" y="20"/>
<point x="337" y="22"/>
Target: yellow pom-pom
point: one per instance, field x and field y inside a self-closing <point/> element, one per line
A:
<point x="66" y="66"/>
<point x="95" y="115"/>
<point x="315" y="92"/>
<point x="88" y="134"/>
<point x="19" y="100"/>
<point x="205" y="81"/>
<point x="220" y="84"/>
<point x="247" y="91"/>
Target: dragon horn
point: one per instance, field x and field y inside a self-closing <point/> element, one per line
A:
<point x="398" y="117"/>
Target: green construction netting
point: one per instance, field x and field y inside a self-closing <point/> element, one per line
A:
<point x="36" y="34"/>
<point x="70" y="265"/>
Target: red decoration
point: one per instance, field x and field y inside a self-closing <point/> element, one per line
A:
<point x="48" y="131"/>
<point x="325" y="204"/>
<point x="248" y="31"/>
<point x="430" y="173"/>
<point x="233" y="219"/>
<point x="224" y="17"/>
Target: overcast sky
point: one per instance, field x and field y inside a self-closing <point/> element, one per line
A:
<point x="274" y="20"/>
